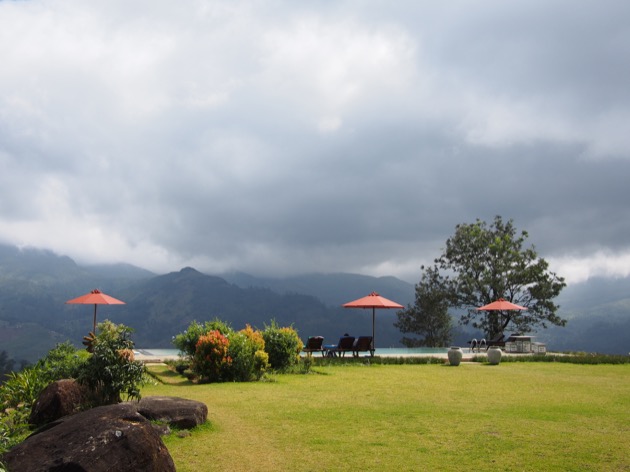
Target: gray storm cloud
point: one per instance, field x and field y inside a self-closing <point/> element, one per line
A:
<point x="292" y="138"/>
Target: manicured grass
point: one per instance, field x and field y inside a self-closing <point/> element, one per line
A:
<point x="515" y="416"/>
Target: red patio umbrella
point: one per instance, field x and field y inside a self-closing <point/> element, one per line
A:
<point x="501" y="305"/>
<point x="95" y="297"/>
<point x="373" y="301"/>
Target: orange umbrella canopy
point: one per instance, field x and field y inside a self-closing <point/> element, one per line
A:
<point x="373" y="301"/>
<point x="95" y="297"/>
<point x="501" y="304"/>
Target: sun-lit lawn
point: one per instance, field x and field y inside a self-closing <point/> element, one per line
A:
<point x="515" y="416"/>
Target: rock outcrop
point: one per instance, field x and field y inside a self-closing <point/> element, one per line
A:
<point x="177" y="412"/>
<point x="59" y="399"/>
<point x="106" y="438"/>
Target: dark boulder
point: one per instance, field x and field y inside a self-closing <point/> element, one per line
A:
<point x="113" y="437"/>
<point x="177" y="412"/>
<point x="59" y="399"/>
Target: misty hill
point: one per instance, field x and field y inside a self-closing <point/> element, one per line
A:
<point x="331" y="289"/>
<point x="599" y="317"/>
<point x="48" y="271"/>
<point x="33" y="315"/>
<point x="34" y="285"/>
<point x="160" y="307"/>
<point x="165" y="305"/>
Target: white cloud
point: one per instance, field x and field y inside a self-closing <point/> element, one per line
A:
<point x="605" y="264"/>
<point x="329" y="66"/>
<point x="290" y="137"/>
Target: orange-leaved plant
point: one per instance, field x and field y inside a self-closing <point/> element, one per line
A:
<point x="211" y="357"/>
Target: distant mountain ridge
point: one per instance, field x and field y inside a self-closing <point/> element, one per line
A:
<point x="47" y="268"/>
<point x="332" y="289"/>
<point x="34" y="285"/>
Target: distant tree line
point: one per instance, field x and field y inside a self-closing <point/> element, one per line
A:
<point x="7" y="365"/>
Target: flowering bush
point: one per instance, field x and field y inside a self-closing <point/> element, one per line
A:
<point x="186" y="342"/>
<point x="249" y="360"/>
<point x="217" y="353"/>
<point x="283" y="345"/>
<point x="255" y="337"/>
<point x="261" y="363"/>
<point x="211" y="359"/>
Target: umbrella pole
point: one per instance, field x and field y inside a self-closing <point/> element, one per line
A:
<point x="373" y="337"/>
<point x="94" y="319"/>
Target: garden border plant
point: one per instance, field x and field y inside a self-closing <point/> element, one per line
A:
<point x="577" y="358"/>
<point x="214" y="352"/>
<point x="283" y="346"/>
<point x="317" y="361"/>
<point x="574" y="358"/>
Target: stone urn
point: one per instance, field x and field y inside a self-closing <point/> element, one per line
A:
<point x="494" y="355"/>
<point x="455" y="355"/>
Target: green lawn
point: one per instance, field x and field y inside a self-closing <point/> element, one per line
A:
<point x="515" y="416"/>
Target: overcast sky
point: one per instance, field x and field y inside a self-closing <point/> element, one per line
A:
<point x="283" y="137"/>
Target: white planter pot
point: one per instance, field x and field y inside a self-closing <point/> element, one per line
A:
<point x="455" y="355"/>
<point x="494" y="355"/>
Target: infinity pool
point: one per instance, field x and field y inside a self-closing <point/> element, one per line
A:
<point x="381" y="351"/>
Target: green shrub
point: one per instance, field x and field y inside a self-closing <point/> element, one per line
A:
<point x="217" y="353"/>
<point x="283" y="345"/>
<point x="21" y="389"/>
<point x="317" y="361"/>
<point x="261" y="358"/>
<point x="62" y="362"/>
<point x="249" y="360"/>
<point x="14" y="428"/>
<point x="179" y="365"/>
<point x="218" y="325"/>
<point x="261" y="363"/>
<point x="577" y="358"/>
<point x="204" y="344"/>
<point x="211" y="359"/>
<point x="111" y="371"/>
<point x="241" y="352"/>
<point x="186" y="342"/>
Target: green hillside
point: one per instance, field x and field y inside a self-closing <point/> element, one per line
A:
<point x="34" y="285"/>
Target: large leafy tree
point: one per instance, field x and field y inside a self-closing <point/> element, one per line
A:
<point x="428" y="317"/>
<point x="482" y="263"/>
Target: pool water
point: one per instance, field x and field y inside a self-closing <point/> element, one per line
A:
<point x="158" y="352"/>
<point x="381" y="351"/>
<point x="405" y="351"/>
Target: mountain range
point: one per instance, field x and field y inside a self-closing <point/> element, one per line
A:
<point x="35" y="283"/>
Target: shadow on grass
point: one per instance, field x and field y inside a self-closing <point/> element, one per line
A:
<point x="376" y="360"/>
<point x="164" y="375"/>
